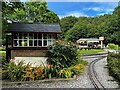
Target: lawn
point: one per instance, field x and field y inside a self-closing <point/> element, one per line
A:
<point x="2" y="53"/>
<point x="83" y="51"/>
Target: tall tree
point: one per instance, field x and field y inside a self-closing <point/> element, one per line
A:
<point x="66" y="24"/>
<point x="34" y="11"/>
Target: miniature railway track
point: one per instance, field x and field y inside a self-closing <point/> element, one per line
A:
<point x="93" y="75"/>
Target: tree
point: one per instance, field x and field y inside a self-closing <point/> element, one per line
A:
<point x="107" y="25"/>
<point x="31" y="11"/>
<point x="66" y="24"/>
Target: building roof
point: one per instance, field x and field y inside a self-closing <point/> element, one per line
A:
<point x="31" y="27"/>
<point x="88" y="40"/>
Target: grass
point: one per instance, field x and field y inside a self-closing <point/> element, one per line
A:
<point x="83" y="51"/>
<point x="2" y="53"/>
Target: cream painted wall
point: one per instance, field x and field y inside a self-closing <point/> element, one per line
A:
<point x="35" y="61"/>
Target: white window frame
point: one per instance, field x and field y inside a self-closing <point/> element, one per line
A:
<point x="33" y="39"/>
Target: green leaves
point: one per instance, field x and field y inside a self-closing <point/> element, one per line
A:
<point x="63" y="54"/>
<point x="107" y="25"/>
<point x="113" y="61"/>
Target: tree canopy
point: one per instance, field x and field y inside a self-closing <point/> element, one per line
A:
<point x="107" y="25"/>
<point x="67" y="23"/>
<point x="29" y="12"/>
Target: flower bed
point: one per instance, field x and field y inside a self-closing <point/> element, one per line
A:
<point x="20" y="72"/>
<point x="63" y="62"/>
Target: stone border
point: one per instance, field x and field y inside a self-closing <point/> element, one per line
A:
<point x="5" y="82"/>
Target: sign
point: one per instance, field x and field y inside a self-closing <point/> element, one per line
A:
<point x="101" y="38"/>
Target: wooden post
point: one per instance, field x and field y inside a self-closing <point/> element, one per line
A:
<point x="8" y="51"/>
<point x="7" y="57"/>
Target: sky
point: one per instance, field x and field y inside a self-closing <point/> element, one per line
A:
<point x="88" y="8"/>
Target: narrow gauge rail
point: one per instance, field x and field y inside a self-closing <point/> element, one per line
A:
<point x="93" y="75"/>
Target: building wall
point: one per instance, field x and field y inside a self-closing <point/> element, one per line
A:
<point x="28" y="53"/>
<point x="34" y="61"/>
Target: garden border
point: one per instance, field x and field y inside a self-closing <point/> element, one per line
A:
<point x="4" y="82"/>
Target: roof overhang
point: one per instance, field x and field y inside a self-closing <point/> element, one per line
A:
<point x="34" y="28"/>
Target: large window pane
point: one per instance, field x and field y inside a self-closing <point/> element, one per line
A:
<point x="35" y="36"/>
<point x="30" y="36"/>
<point x="45" y="43"/>
<point x="39" y="42"/>
<point x="35" y="42"/>
<point x="30" y="42"/>
<point x="49" y="42"/>
<point x="20" y="42"/>
<point x="39" y="36"/>
<point x="44" y="36"/>
<point x="15" y="42"/>
<point x="24" y="43"/>
<point x="16" y="36"/>
<point x="20" y="35"/>
<point x="49" y="36"/>
<point x="53" y="36"/>
<point x="25" y="36"/>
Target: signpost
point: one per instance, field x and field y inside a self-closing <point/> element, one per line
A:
<point x="101" y="39"/>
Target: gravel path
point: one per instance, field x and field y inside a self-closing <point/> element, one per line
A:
<point x="102" y="74"/>
<point x="81" y="82"/>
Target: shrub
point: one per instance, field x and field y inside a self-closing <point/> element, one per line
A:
<point x="3" y="61"/>
<point x="22" y="72"/>
<point x="114" y="65"/>
<point x="113" y="46"/>
<point x="12" y="71"/>
<point x="65" y="73"/>
<point x="63" y="54"/>
<point x="77" y="69"/>
<point x="2" y="49"/>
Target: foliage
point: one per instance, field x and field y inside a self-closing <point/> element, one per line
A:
<point x="2" y="49"/>
<point x="107" y="25"/>
<point x="63" y="54"/>
<point x="113" y="46"/>
<point x="2" y="53"/>
<point x="76" y="69"/>
<point x="67" y="23"/>
<point x="28" y="12"/>
<point x="65" y="73"/>
<point x="12" y="71"/>
<point x="24" y="72"/>
<point x="3" y="60"/>
<point x="113" y="61"/>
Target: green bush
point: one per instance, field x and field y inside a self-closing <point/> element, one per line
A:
<point x="3" y="60"/>
<point x="2" y="49"/>
<point x="22" y="72"/>
<point x="12" y="71"/>
<point x="113" y="46"/>
<point x="63" y="54"/>
<point x="65" y="73"/>
<point x="113" y="61"/>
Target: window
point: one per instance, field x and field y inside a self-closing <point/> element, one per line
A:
<point x="33" y="39"/>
